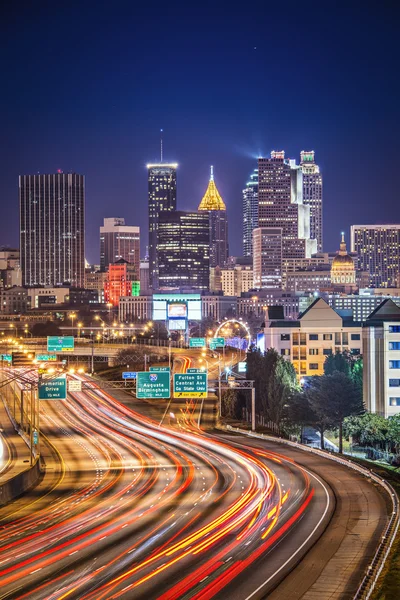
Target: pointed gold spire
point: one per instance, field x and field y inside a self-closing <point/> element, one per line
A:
<point x="212" y="199"/>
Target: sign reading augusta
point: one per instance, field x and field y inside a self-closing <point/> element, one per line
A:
<point x="151" y="384"/>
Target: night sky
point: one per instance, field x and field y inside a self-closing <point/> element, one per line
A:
<point x="86" y="87"/>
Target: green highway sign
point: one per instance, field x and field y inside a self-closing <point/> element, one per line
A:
<point x="197" y="342"/>
<point x="160" y="369"/>
<point x="153" y="384"/>
<point x="242" y="367"/>
<point x="194" y="370"/>
<point x="63" y="343"/>
<point x="217" y="343"/>
<point x="53" y="389"/>
<point x="45" y="357"/>
<point x="190" y="385"/>
<point x="6" y="357"/>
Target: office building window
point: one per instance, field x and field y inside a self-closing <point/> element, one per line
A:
<point x="394" y="364"/>
<point x="285" y="337"/>
<point x="313" y="351"/>
<point x="345" y="338"/>
<point x="313" y="336"/>
<point x="313" y="366"/>
<point x="394" y="401"/>
<point x="327" y="351"/>
<point x="327" y="336"/>
<point x="355" y="351"/>
<point x="295" y="339"/>
<point x="337" y="339"/>
<point x="394" y="328"/>
<point x="394" y="345"/>
<point x="285" y="352"/>
<point x="394" y="382"/>
<point x="355" y="337"/>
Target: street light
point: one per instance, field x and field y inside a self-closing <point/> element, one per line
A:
<point x="72" y="317"/>
<point x="80" y="325"/>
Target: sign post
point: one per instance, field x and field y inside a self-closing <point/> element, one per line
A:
<point x="190" y="385"/>
<point x="63" y="343"/>
<point x="53" y="389"/>
<point x="217" y="343"/>
<point x="153" y="384"/>
<point x="197" y="342"/>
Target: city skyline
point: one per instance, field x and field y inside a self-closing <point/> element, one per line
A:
<point x="345" y="107"/>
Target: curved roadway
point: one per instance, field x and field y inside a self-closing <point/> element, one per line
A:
<point x="129" y="509"/>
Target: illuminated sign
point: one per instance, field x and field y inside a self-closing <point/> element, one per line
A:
<point x="192" y="302"/>
<point x="150" y="384"/>
<point x="45" y="357"/>
<point x="53" y="389"/>
<point x="242" y="366"/>
<point x="197" y="343"/>
<point x="190" y="385"/>
<point x="135" y="288"/>
<point x="177" y="310"/>
<point x="60" y="344"/>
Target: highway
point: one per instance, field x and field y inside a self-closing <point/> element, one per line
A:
<point x="129" y="509"/>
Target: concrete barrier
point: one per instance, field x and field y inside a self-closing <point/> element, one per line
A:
<point x="20" y="483"/>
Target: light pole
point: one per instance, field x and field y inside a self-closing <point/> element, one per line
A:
<point x="80" y="325"/>
<point x="72" y="317"/>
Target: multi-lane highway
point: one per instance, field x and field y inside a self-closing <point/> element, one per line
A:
<point x="129" y="509"/>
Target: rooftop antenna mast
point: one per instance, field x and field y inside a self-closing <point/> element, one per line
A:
<point x="161" y="136"/>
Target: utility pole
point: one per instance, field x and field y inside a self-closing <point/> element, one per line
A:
<point x="253" y="408"/>
<point x="92" y="358"/>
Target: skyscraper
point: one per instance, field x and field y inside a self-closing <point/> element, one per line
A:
<point x="218" y="221"/>
<point x="183" y="250"/>
<point x="250" y="212"/>
<point x="52" y="229"/>
<point x="378" y="252"/>
<point x="280" y="204"/>
<point x="118" y="240"/>
<point x="267" y="257"/>
<point x="162" y="198"/>
<point x="312" y="194"/>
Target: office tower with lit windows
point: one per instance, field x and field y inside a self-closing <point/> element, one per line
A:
<point x="312" y="194"/>
<point x="183" y="248"/>
<point x="378" y="252"/>
<point x="267" y="257"/>
<point x="162" y="199"/>
<point x="250" y="212"/>
<point x="52" y="229"/>
<point x="280" y="204"/>
<point x="118" y="240"/>
<point x="218" y="220"/>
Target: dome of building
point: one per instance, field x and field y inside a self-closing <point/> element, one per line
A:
<point x="343" y="269"/>
<point x="342" y="258"/>
<point x="212" y="199"/>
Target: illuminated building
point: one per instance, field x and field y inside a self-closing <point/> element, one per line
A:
<point x="213" y="203"/>
<point x="381" y="360"/>
<point x="162" y="198"/>
<point x="250" y="212"/>
<point x="280" y="204"/>
<point x="236" y="280"/>
<point x="378" y="252"/>
<point x="52" y="229"/>
<point x="183" y="250"/>
<point x="312" y="194"/>
<point x="118" y="240"/>
<point x="318" y="332"/>
<point x="343" y="272"/>
<point x="95" y="280"/>
<point x="119" y="281"/>
<point x="267" y="257"/>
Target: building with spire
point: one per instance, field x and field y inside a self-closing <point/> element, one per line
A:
<point x="218" y="221"/>
<point x="250" y="212"/>
<point x="343" y="271"/>
<point x="162" y="198"/>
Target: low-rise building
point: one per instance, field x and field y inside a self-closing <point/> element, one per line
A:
<point x="236" y="280"/>
<point x="318" y="332"/>
<point x="44" y="296"/>
<point x="95" y="280"/>
<point x="381" y="359"/>
<point x="14" y="300"/>
<point x="256" y="303"/>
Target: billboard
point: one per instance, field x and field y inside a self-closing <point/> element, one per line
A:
<point x="162" y="301"/>
<point x="177" y="310"/>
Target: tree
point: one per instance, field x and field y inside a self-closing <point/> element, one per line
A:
<point x="45" y="329"/>
<point x="332" y="398"/>
<point x="339" y="362"/>
<point x="394" y="432"/>
<point x="368" y="429"/>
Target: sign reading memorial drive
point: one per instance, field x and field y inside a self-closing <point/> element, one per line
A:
<point x="53" y="389"/>
<point x="190" y="385"/>
<point x="151" y="384"/>
<point x="63" y="343"/>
